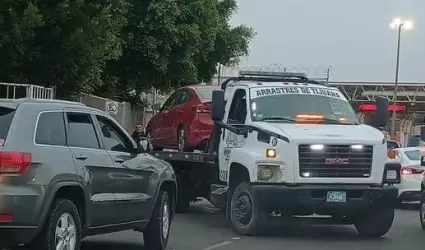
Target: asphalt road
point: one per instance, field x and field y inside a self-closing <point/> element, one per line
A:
<point x="205" y="229"/>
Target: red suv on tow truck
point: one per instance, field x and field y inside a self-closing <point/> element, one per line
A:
<point x="184" y="121"/>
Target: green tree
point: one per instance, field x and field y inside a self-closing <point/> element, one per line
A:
<point x="63" y="43"/>
<point x="170" y="43"/>
<point x="117" y="48"/>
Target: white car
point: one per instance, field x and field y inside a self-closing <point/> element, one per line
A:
<point x="412" y="173"/>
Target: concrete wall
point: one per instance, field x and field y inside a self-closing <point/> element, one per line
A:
<point x="125" y="114"/>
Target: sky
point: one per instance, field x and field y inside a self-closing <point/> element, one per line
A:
<point x="352" y="37"/>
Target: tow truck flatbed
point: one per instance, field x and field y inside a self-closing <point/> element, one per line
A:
<point x="189" y="157"/>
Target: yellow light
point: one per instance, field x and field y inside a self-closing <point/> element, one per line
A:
<point x="310" y="116"/>
<point x="270" y="153"/>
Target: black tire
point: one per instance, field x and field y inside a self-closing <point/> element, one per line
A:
<point x="153" y="235"/>
<point x="181" y="139"/>
<point x="255" y="221"/>
<point x="184" y="193"/>
<point x="422" y="210"/>
<point x="46" y="239"/>
<point x="375" y="223"/>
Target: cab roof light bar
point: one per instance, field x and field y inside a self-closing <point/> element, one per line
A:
<point x="272" y="74"/>
<point x="263" y="76"/>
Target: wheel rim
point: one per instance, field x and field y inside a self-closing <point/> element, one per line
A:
<point x="422" y="212"/>
<point x="182" y="141"/>
<point x="66" y="233"/>
<point x="165" y="220"/>
<point x="243" y="209"/>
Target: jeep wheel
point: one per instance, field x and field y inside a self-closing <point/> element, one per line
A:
<point x="422" y="210"/>
<point x="156" y="234"/>
<point x="375" y="223"/>
<point x="245" y="214"/>
<point x="62" y="229"/>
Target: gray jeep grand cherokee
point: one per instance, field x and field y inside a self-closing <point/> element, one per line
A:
<point x="68" y="171"/>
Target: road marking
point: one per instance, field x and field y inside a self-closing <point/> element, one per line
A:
<point x="222" y="244"/>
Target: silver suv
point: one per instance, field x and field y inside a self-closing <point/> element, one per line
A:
<point x="68" y="171"/>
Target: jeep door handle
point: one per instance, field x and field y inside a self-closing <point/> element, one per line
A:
<point x="119" y="160"/>
<point x="81" y="157"/>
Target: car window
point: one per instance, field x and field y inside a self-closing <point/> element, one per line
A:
<point x="114" y="138"/>
<point x="6" y="117"/>
<point x="183" y="97"/>
<point x="51" y="129"/>
<point x="238" y="109"/>
<point x="413" y="155"/>
<point x="392" y="145"/>
<point x="81" y="132"/>
<point x="170" y="101"/>
<point x="205" y="93"/>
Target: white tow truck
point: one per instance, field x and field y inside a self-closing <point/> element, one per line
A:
<point x="286" y="146"/>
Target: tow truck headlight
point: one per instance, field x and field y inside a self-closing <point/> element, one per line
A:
<point x="317" y="147"/>
<point x="269" y="173"/>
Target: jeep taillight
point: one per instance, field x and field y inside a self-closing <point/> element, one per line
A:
<point x="14" y="163"/>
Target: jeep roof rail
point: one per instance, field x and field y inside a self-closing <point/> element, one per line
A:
<point x="263" y="76"/>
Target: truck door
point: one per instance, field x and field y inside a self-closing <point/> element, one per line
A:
<point x="237" y="113"/>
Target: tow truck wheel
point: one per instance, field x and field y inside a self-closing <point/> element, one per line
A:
<point x="422" y="210"/>
<point x="245" y="215"/>
<point x="181" y="138"/>
<point x="375" y="223"/>
<point x="184" y="193"/>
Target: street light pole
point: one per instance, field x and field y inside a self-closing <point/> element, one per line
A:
<point x="399" y="25"/>
<point x="394" y="117"/>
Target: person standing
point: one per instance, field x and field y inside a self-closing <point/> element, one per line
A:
<point x="139" y="132"/>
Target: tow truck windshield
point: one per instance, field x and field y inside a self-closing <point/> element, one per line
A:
<point x="298" y="103"/>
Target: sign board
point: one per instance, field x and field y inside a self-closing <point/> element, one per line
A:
<point x="296" y="90"/>
<point x="111" y="108"/>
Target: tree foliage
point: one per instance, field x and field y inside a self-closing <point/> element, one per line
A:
<point x="117" y="48"/>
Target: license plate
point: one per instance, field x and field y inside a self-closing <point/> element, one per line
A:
<point x="336" y="196"/>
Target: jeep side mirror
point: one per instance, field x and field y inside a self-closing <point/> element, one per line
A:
<point x="381" y="113"/>
<point x="422" y="161"/>
<point x="218" y="105"/>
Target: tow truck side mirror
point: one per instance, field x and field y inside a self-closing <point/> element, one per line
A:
<point x="381" y="113"/>
<point x="218" y="105"/>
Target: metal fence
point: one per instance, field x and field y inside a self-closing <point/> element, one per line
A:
<point x="15" y="91"/>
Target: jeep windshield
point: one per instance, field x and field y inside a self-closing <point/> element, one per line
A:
<point x="289" y="104"/>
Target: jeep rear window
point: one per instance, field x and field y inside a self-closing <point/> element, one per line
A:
<point x="6" y="117"/>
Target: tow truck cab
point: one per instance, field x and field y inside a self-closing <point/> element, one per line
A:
<point x="291" y="146"/>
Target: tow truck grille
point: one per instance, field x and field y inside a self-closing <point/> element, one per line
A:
<point x="335" y="161"/>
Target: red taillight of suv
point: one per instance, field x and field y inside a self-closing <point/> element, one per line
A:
<point x="411" y="170"/>
<point x="202" y="108"/>
<point x="14" y="162"/>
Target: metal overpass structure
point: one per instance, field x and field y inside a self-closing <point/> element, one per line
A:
<point x="409" y="94"/>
